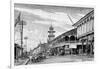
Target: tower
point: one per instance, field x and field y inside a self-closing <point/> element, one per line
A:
<point x="51" y="33"/>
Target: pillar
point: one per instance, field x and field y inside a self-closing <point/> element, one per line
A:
<point x="82" y="45"/>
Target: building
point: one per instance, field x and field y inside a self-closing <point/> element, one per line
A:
<point x="65" y="43"/>
<point x="17" y="51"/>
<point x="40" y="49"/>
<point x="67" y="36"/>
<point x="51" y="33"/>
<point x="85" y="32"/>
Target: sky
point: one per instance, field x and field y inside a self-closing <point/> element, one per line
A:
<point x="38" y="19"/>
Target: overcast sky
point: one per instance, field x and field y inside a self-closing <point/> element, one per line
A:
<point x="38" y="19"/>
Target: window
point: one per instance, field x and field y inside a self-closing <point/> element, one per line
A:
<point x="87" y="27"/>
<point x="87" y="19"/>
<point x="91" y="25"/>
<point x="78" y="31"/>
<point x="82" y="29"/>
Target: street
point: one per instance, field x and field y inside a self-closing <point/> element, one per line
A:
<point x="60" y="59"/>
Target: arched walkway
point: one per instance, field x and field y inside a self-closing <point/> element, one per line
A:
<point x="72" y="38"/>
<point x="66" y="38"/>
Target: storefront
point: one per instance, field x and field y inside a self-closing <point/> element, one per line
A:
<point x="85" y="33"/>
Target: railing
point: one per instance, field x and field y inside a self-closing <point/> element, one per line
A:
<point x="66" y="42"/>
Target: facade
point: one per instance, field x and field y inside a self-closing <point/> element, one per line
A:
<point x="64" y="43"/>
<point x="85" y="32"/>
<point x="79" y="40"/>
<point x="67" y="36"/>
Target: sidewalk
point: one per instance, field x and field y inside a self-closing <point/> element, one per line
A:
<point x="21" y="62"/>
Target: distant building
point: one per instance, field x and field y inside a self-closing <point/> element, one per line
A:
<point x="51" y="33"/>
<point x="41" y="48"/>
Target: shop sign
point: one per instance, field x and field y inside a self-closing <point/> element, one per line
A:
<point x="72" y="46"/>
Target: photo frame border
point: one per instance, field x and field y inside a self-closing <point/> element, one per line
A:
<point x="12" y="28"/>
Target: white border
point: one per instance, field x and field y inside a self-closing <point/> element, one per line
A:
<point x="12" y="31"/>
<point x="12" y="34"/>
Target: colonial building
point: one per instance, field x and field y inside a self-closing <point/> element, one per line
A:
<point x="85" y="32"/>
<point x="79" y="40"/>
<point x="65" y="43"/>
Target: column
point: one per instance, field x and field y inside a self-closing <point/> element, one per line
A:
<point x="69" y="45"/>
<point x="82" y="45"/>
<point x="91" y="44"/>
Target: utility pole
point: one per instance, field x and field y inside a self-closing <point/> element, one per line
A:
<point x="22" y="35"/>
<point x="21" y="23"/>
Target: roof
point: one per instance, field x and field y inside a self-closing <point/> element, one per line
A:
<point x="87" y="15"/>
<point x="51" y="27"/>
<point x="70" y="32"/>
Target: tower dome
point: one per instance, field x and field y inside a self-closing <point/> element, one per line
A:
<point x="51" y="27"/>
<point x="51" y="33"/>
